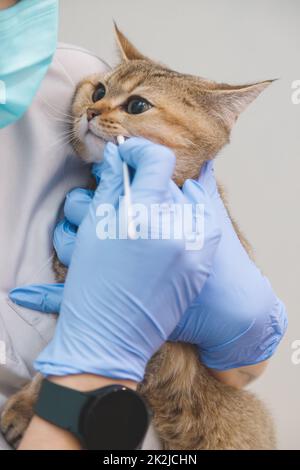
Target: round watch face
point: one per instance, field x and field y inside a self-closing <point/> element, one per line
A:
<point x="115" y="420"/>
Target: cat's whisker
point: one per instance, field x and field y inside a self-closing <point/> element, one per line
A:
<point x="60" y="116"/>
<point x="58" y="119"/>
<point x="67" y="135"/>
<point x="68" y="131"/>
<point x="61" y="119"/>
<point x="63" y="141"/>
<point x="57" y="110"/>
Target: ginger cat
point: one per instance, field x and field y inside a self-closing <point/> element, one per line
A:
<point x="194" y="117"/>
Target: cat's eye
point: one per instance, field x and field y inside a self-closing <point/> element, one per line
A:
<point x="137" y="105"/>
<point x="99" y="92"/>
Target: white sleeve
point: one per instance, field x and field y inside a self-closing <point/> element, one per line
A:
<point x="38" y="168"/>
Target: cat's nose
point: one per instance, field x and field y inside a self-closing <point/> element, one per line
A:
<point x="91" y="113"/>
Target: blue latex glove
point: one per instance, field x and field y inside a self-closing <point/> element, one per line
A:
<point x="237" y="320"/>
<point x="123" y="298"/>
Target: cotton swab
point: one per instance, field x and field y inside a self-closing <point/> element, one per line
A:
<point x="127" y="195"/>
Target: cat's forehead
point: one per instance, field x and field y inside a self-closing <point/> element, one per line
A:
<point x="129" y="75"/>
<point x="142" y="68"/>
<point x="132" y="74"/>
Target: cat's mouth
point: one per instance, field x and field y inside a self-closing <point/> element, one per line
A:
<point x="97" y="136"/>
<point x="94" y="140"/>
<point x="93" y="131"/>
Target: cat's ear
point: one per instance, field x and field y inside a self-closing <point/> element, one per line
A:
<point x="126" y="48"/>
<point x="229" y="101"/>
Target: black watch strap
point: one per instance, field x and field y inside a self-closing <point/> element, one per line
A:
<point x="61" y="406"/>
<point x="112" y="417"/>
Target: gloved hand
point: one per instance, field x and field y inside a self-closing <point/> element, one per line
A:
<point x="123" y="298"/>
<point x="237" y="320"/>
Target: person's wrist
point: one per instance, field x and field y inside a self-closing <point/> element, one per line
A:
<point x="43" y="435"/>
<point x="88" y="382"/>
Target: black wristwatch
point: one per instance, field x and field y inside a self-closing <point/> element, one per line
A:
<point x="110" y="418"/>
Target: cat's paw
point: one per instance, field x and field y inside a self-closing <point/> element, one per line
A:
<point x="16" y="416"/>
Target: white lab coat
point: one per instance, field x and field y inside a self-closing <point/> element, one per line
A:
<point x="38" y="168"/>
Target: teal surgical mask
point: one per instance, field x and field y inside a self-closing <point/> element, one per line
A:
<point x="28" y="36"/>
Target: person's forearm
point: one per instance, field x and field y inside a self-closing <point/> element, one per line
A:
<point x="241" y="376"/>
<point x="7" y="3"/>
<point x="42" y="435"/>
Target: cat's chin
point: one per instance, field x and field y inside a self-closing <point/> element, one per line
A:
<point x="94" y="146"/>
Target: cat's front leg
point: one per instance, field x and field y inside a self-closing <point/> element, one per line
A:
<point x="18" y="411"/>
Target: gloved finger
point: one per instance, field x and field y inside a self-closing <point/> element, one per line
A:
<point x="111" y="185"/>
<point x="207" y="177"/>
<point x="206" y="169"/>
<point x="97" y="170"/>
<point x="194" y="191"/>
<point x="176" y="193"/>
<point x="76" y="205"/>
<point x="45" y="298"/>
<point x="186" y="330"/>
<point x="154" y="165"/>
<point x="64" y="241"/>
<point x="201" y="199"/>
